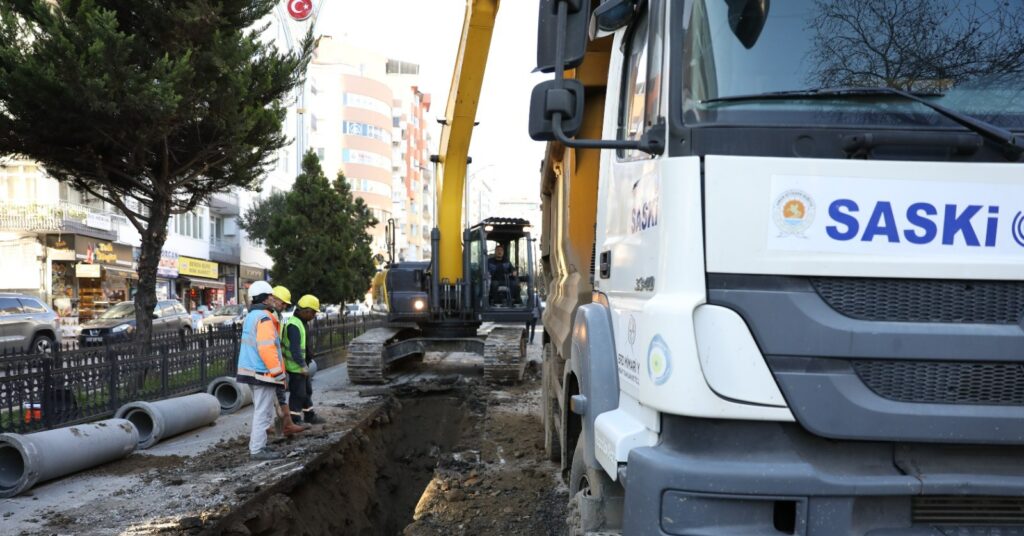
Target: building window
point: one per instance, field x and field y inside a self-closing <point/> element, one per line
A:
<point x="320" y="153"/>
<point x="355" y="156"/>
<point x="355" y="100"/>
<point x="353" y="128"/>
<point x="313" y="122"/>
<point x="216" y="228"/>
<point x="191" y="224"/>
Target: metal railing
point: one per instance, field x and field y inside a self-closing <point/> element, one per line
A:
<point x="48" y="216"/>
<point x="72" y="385"/>
<point x="225" y="246"/>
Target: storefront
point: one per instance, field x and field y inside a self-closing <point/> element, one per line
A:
<point x="247" y="275"/>
<point x="63" y="291"/>
<point x="104" y="274"/>
<point x="229" y="276"/>
<point x="198" y="283"/>
<point x="166" y="275"/>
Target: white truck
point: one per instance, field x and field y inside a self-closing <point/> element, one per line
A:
<point x="785" y="243"/>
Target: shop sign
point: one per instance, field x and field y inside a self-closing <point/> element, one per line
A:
<point x="60" y="242"/>
<point x="94" y="252"/>
<point x="168" y="267"/>
<point x="87" y="271"/>
<point x="252" y="274"/>
<point x="196" y="267"/>
<point x="60" y="254"/>
<point x="99" y="221"/>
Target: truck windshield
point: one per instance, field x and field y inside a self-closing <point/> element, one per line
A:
<point x="966" y="55"/>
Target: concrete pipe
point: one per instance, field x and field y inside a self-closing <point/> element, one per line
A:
<point x="159" y="420"/>
<point x="231" y="395"/>
<point x="28" y="459"/>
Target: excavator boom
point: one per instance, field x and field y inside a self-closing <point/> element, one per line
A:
<point x="460" y="116"/>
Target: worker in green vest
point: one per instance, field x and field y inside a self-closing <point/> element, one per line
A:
<point x="296" y="361"/>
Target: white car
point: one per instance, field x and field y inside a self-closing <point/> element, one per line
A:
<point x="356" y="309"/>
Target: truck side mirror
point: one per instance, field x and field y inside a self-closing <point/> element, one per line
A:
<point x="575" y="30"/>
<point x="614" y="14"/>
<point x="747" y="19"/>
<point x="550" y="98"/>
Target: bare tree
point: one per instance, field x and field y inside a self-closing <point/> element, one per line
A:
<point x="917" y="45"/>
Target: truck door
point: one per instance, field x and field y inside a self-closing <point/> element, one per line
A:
<point x="629" y="251"/>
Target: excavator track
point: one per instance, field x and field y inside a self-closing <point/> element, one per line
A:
<point x="366" y="355"/>
<point x="505" y="355"/>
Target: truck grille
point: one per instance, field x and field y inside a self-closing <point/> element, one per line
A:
<point x="923" y="300"/>
<point x="945" y="383"/>
<point x="969" y="511"/>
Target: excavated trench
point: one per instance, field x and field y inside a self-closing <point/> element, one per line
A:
<point x="369" y="483"/>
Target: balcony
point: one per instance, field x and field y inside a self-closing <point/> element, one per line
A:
<point x="225" y="204"/>
<point x="226" y="250"/>
<point x="60" y="217"/>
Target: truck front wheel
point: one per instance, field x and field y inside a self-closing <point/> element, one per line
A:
<point x="595" y="502"/>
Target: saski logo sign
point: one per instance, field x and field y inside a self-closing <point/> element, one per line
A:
<point x="895" y="216"/>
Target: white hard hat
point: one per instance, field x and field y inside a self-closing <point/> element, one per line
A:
<point x="258" y="288"/>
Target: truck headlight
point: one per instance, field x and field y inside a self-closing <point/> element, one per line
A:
<point x="418" y="304"/>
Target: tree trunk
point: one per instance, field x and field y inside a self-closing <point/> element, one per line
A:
<point x="149" y="259"/>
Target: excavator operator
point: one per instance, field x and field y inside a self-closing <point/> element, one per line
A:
<point x="503" y="277"/>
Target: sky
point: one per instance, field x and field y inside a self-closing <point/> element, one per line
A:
<point x="427" y="32"/>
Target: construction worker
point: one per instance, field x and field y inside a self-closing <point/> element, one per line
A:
<point x="285" y="296"/>
<point x="296" y="360"/>
<point x="261" y="365"/>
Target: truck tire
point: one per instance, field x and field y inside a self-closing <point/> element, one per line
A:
<point x="595" y="502"/>
<point x="549" y="405"/>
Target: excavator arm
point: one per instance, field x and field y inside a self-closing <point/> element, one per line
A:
<point x="460" y="116"/>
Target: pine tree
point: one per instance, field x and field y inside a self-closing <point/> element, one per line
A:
<point x="316" y="234"/>
<point x="149" y="105"/>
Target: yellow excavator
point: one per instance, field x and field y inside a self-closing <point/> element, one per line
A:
<point x="476" y="293"/>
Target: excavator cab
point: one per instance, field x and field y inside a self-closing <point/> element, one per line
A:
<point x="499" y="265"/>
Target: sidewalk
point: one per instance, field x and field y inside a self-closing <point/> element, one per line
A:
<point x="183" y="480"/>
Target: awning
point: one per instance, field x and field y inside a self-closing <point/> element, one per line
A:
<point x="202" y="282"/>
<point x="127" y="271"/>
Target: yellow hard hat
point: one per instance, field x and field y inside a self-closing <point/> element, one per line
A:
<point x="283" y="294"/>
<point x="309" y="301"/>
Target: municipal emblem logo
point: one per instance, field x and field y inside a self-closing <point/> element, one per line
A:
<point x="793" y="213"/>
<point x="659" y="361"/>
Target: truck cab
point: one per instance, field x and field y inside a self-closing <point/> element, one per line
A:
<point x="804" y="232"/>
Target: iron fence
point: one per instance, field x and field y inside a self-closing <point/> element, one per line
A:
<point x="72" y="384"/>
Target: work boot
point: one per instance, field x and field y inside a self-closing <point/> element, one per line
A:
<point x="297" y="420"/>
<point x="266" y="454"/>
<point x="311" y="417"/>
<point x="290" y="428"/>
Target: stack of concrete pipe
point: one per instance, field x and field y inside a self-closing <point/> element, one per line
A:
<point x="231" y="395"/>
<point x="160" y="420"/>
<point x="26" y="460"/>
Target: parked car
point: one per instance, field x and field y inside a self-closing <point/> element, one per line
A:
<point x="356" y="309"/>
<point x="118" y="322"/>
<point x="226" y="316"/>
<point x="26" y="324"/>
